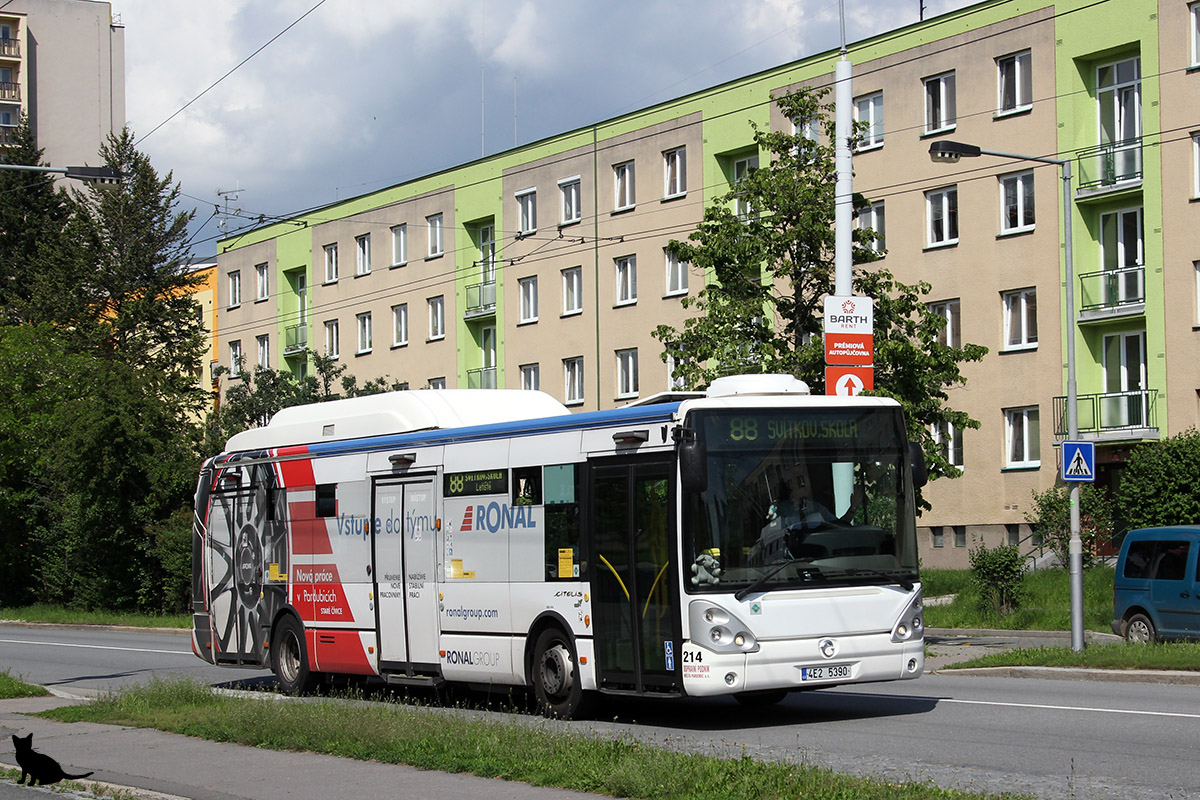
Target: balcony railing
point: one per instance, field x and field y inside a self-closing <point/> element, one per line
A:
<point x="295" y="338"/>
<point x="481" y="299"/>
<point x="1111" y="414"/>
<point x="1110" y="164"/>
<point x="10" y="48"/>
<point x="8" y="135"/>
<point x="1112" y="289"/>
<point x="483" y="378"/>
<point x="10" y="90"/>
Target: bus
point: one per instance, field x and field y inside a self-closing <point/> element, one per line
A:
<point x="750" y="540"/>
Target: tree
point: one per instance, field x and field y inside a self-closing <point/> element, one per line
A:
<point x="1051" y="518"/>
<point x="1161" y="483"/>
<point x="768" y="246"/>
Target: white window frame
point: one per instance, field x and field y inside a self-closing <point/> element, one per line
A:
<point x="400" y="244"/>
<point x="333" y="339"/>
<point x="1021" y="186"/>
<point x="437" y="383"/>
<point x="570" y="203"/>
<point x="626" y="274"/>
<point x="674" y="172"/>
<point x="528" y="288"/>
<point x="526" y="212"/>
<point x="362" y="254"/>
<point x="627" y="373"/>
<point x="235" y="358"/>
<point x="262" y="276"/>
<point x="262" y="344"/>
<point x="806" y="128"/>
<point x="1020" y="320"/>
<point x="869" y="109"/>
<point x="531" y="377"/>
<point x="677" y="274"/>
<point x="1194" y="15"/>
<point x="874" y="218"/>
<point x="741" y="169"/>
<point x="674" y="383"/>
<point x="950" y="310"/>
<point x="331" y="262"/>
<point x="1196" y="161"/>
<point x="941" y="216"/>
<point x="400" y="325"/>
<point x="572" y="291"/>
<point x="948" y="437"/>
<point x="624" y="186"/>
<point x="940" y="104"/>
<point x="1022" y="451"/>
<point x="437" y="317"/>
<point x="1022" y="77"/>
<point x="573" y="387"/>
<point x="1196" y="269"/>
<point x="235" y="288"/>
<point x="365" y="334"/>
<point x="436" y="244"/>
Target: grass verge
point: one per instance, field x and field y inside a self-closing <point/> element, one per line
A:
<point x="1170" y="655"/>
<point x="11" y="687"/>
<point x="73" y="616"/>
<point x="1045" y="605"/>
<point x="540" y="754"/>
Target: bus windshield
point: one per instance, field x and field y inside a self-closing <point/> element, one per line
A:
<point x="799" y="499"/>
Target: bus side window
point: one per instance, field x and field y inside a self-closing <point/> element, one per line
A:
<point x="327" y="500"/>
<point x="527" y="486"/>
<point x="564" y="530"/>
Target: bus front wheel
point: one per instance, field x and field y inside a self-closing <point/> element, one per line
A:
<point x="289" y="657"/>
<point x="555" y="676"/>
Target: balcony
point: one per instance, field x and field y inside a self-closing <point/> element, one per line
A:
<point x="483" y="378"/>
<point x="8" y="135"/>
<point x="1111" y="416"/>
<point x="1112" y="294"/>
<point x="10" y="90"/>
<point x="10" y="48"/>
<point x="481" y="300"/>
<point x="295" y="339"/>
<point x="1110" y="166"/>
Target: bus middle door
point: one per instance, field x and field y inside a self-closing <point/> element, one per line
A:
<point x="405" y="540"/>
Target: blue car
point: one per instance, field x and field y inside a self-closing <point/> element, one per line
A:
<point x="1156" y="592"/>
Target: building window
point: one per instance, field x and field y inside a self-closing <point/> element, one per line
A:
<point x="1016" y="202"/>
<point x="1123" y="252"/>
<point x="677" y="274"/>
<point x="333" y="339"/>
<point x="435" y="235"/>
<point x="1196" y="165"/>
<point x="675" y="172"/>
<point x="399" y="244"/>
<point x="331" y="263"/>
<point x="526" y="212"/>
<point x="264" y="351"/>
<point x="938" y="535"/>
<point x="807" y="128"/>
<point x="235" y="359"/>
<point x="741" y="170"/>
<point x="960" y="535"/>
<point x="1020" y="319"/>
<point x="939" y="103"/>
<point x="869" y="110"/>
<point x="437" y="317"/>
<point x="1196" y="269"/>
<point x="362" y="254"/>
<point x="531" y="377"/>
<point x="529" y="298"/>
<point x="951" y="335"/>
<point x="572" y="290"/>
<point x="872" y="218"/>
<point x="364" y="332"/>
<point x="569" y="191"/>
<point x="235" y="288"/>
<point x="626" y="280"/>
<point x="437" y="383"/>
<point x="400" y="325"/>
<point x="1015" y="82"/>
<point x="262" y="277"/>
<point x="1194" y="13"/>
<point x="948" y="438"/>
<point x="487" y="253"/>
<point x="941" y="209"/>
<point x="1119" y="94"/>
<point x="627" y="373"/>
<point x="573" y="379"/>
<point x="1022" y="433"/>
<point x="674" y="382"/>
<point x="623" y="192"/>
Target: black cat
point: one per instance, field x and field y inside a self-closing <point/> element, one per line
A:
<point x="40" y="768"/>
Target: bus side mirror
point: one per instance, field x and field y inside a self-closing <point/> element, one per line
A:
<point x="693" y="466"/>
<point x="916" y="458"/>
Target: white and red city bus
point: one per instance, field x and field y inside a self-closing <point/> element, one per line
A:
<point x="750" y="540"/>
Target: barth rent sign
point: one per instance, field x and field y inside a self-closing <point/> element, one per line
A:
<point x="849" y="330"/>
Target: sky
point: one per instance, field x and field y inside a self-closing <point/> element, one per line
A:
<point x="363" y="94"/>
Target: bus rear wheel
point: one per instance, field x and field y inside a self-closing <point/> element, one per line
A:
<point x="289" y="657"/>
<point x="555" y="677"/>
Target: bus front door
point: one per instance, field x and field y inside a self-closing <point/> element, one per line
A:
<point x="633" y="576"/>
<point x="405" y="538"/>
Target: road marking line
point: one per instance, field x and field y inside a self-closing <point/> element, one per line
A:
<point x="102" y="647"/>
<point x="1072" y="708"/>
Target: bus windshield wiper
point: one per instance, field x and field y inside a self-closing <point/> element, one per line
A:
<point x="891" y="577"/>
<point x="758" y="583"/>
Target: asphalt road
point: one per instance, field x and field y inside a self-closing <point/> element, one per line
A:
<point x="1049" y="738"/>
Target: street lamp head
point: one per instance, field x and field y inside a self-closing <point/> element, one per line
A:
<point x="946" y="152"/>
<point x="103" y="176"/>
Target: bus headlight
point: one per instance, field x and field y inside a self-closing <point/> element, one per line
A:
<point x="714" y="628"/>
<point x="911" y="625"/>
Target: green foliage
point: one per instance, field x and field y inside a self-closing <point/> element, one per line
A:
<point x="1045" y="604"/>
<point x="11" y="687"/>
<point x="62" y="615"/>
<point x="1051" y="517"/>
<point x="1166" y="655"/>
<point x="770" y="269"/>
<point x="998" y="573"/>
<point x="1161" y="483"/>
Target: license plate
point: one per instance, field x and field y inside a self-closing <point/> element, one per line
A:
<point x="829" y="673"/>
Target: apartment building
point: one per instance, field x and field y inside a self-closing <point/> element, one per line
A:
<point x="62" y="62"/>
<point x="544" y="266"/>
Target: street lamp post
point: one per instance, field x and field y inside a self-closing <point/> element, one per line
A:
<point x="949" y="153"/>
<point x="98" y="175"/>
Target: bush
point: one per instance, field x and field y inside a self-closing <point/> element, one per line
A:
<point x="1051" y="517"/>
<point x="998" y="575"/>
<point x="1161" y="484"/>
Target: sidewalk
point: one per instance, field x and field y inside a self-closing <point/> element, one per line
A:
<point x="184" y="767"/>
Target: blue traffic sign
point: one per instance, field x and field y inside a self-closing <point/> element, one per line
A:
<point x="1079" y="461"/>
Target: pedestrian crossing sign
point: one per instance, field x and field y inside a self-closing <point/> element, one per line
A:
<point x="1079" y="461"/>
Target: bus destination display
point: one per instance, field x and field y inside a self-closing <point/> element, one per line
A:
<point x="466" y="484"/>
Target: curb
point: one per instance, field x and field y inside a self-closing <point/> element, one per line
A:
<point x="1174" y="677"/>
